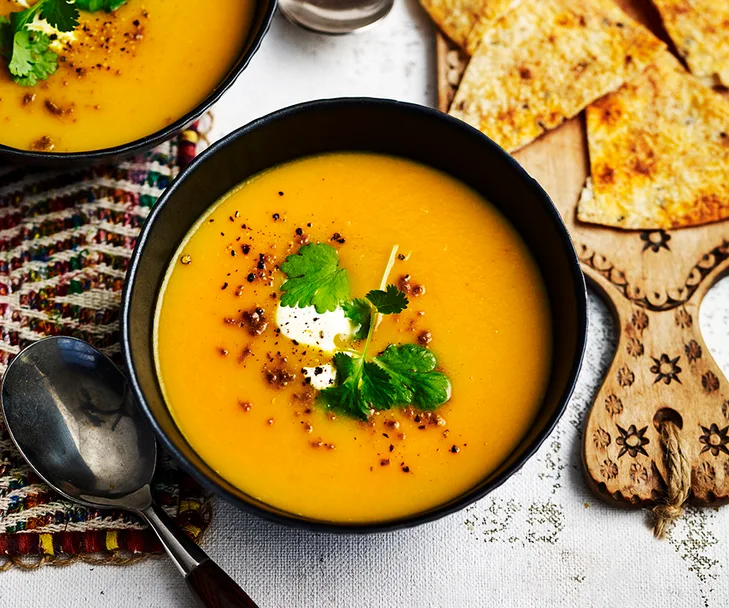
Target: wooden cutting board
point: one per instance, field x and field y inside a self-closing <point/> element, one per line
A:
<point x="663" y="409"/>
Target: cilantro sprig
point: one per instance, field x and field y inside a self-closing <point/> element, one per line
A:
<point x="400" y="375"/>
<point x="27" y="50"/>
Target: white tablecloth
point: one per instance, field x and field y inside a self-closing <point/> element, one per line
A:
<point x="539" y="540"/>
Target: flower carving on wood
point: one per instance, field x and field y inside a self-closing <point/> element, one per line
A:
<point x="705" y="473"/>
<point x="709" y="382"/>
<point x="715" y="439"/>
<point x="608" y="469"/>
<point x="683" y="318"/>
<point x="655" y="240"/>
<point x="693" y="351"/>
<point x="632" y="441"/>
<point x="638" y="473"/>
<point x="635" y="347"/>
<point x="639" y="320"/>
<point x="613" y="405"/>
<point x="666" y="369"/>
<point x="625" y="377"/>
<point x="601" y="438"/>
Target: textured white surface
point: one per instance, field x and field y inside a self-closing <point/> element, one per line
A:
<point x="534" y="542"/>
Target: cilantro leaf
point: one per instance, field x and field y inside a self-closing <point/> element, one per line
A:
<point x="32" y="60"/>
<point x="99" y="5"/>
<point x="6" y="37"/>
<point x="359" y="312"/>
<point x="21" y="62"/>
<point x="60" y="14"/>
<point x="314" y="278"/>
<point x="346" y="396"/>
<point x="413" y="368"/>
<point x="388" y="301"/>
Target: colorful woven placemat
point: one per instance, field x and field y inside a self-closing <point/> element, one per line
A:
<point x="65" y="242"/>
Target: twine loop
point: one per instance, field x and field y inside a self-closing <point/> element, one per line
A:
<point x="678" y="477"/>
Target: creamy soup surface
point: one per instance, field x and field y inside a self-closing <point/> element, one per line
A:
<point x="125" y="74"/>
<point x="236" y="385"/>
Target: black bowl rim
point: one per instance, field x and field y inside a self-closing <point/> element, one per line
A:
<point x="469" y="497"/>
<point x="17" y="155"/>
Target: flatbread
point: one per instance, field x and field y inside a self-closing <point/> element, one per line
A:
<point x="456" y="18"/>
<point x="659" y="153"/>
<point x="700" y="31"/>
<point x="544" y="62"/>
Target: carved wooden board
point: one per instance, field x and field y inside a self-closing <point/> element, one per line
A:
<point x="654" y="282"/>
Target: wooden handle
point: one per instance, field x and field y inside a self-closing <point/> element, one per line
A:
<point x="662" y="373"/>
<point x="215" y="589"/>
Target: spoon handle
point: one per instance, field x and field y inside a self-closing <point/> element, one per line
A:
<point x="208" y="582"/>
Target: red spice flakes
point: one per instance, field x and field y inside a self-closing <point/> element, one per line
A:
<point x="337" y="238"/>
<point x="405" y="468"/>
<point x="276" y="217"/>
<point x="392" y="424"/>
<point x="424" y="419"/>
<point x="455" y="449"/>
<point x="57" y="110"/>
<point x="306" y="426"/>
<point x="279" y="376"/>
<point x="28" y="98"/>
<point x="185" y="259"/>
<point x="43" y="144"/>
<point x="305" y="397"/>
<point x="316" y="443"/>
<point x="223" y="352"/>
<point x="225" y="286"/>
<point x="405" y="284"/>
<point x="245" y="353"/>
<point x="246" y="249"/>
<point x="425" y="338"/>
<point x="245" y="405"/>
<point x="384" y="462"/>
<point x="255" y="320"/>
<point x="238" y="291"/>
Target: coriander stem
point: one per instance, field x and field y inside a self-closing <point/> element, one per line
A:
<point x="383" y="283"/>
<point x="388" y="268"/>
<point x="376" y="315"/>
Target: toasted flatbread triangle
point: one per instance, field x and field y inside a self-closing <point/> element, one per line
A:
<point x="700" y="31"/>
<point x="456" y="18"/>
<point x="659" y="153"/>
<point x="545" y="61"/>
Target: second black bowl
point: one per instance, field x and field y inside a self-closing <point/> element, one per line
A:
<point x="386" y="127"/>
<point x="264" y="10"/>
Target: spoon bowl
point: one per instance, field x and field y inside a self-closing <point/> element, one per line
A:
<point x="335" y="17"/>
<point x="70" y="412"/>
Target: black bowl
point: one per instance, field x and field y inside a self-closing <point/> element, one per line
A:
<point x="259" y="27"/>
<point x="388" y="127"/>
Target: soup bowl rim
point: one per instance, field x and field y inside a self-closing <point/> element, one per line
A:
<point x="147" y="142"/>
<point x="484" y="486"/>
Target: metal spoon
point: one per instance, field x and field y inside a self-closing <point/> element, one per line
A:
<point x="335" y="16"/>
<point x="69" y="411"/>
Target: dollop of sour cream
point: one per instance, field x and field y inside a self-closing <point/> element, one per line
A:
<point x="306" y="326"/>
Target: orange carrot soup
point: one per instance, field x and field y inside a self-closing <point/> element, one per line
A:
<point x="353" y="337"/>
<point x="117" y="75"/>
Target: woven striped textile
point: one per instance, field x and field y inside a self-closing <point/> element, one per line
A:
<point x="66" y="237"/>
